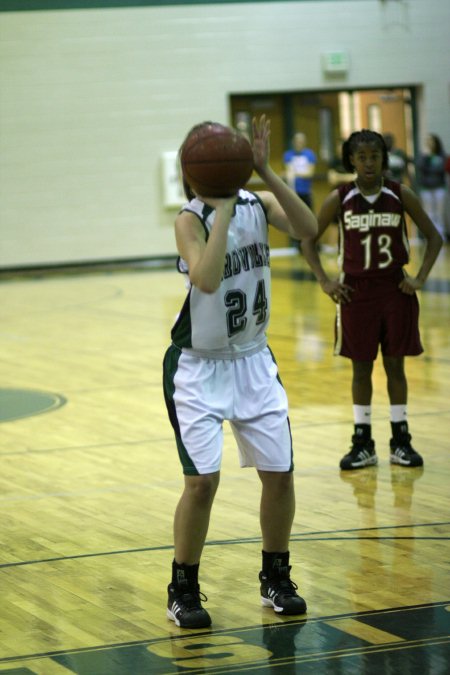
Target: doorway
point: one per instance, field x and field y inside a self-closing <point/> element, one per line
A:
<point x="326" y="117"/>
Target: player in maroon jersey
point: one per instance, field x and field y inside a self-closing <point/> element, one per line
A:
<point x="375" y="298"/>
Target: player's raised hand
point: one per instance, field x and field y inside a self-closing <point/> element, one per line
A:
<point x="261" y="142"/>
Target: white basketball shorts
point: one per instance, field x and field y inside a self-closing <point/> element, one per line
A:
<point x="201" y="393"/>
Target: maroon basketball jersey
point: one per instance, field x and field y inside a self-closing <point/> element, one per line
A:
<point x="372" y="235"/>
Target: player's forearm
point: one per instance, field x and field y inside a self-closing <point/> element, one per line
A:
<point x="302" y="221"/>
<point x="434" y="245"/>
<point x="311" y="255"/>
<point x="207" y="273"/>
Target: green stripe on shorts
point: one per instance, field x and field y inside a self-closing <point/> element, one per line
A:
<point x="170" y="366"/>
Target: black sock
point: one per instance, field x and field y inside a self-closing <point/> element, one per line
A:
<point x="184" y="574"/>
<point x="399" y="429"/>
<point x="363" y="431"/>
<point x="272" y="563"/>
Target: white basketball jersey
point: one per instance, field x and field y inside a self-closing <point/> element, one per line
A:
<point x="232" y="321"/>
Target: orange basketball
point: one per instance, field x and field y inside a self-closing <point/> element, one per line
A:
<point x="216" y="160"/>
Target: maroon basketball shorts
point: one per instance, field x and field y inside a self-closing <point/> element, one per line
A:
<point x="378" y="314"/>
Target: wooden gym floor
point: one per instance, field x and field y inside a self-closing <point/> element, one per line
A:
<point x="90" y="479"/>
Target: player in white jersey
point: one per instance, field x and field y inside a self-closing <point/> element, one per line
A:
<point x="244" y="291"/>
<point x="219" y="368"/>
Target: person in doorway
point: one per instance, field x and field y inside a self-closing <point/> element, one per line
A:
<point x="219" y="367"/>
<point x="398" y="161"/>
<point x="337" y="174"/>
<point x="447" y="200"/>
<point x="375" y="298"/>
<point x="431" y="181"/>
<point x="300" y="164"/>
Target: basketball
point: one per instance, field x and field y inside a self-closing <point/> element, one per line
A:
<point x="216" y="160"/>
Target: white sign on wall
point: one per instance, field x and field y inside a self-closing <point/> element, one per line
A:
<point x="173" y="195"/>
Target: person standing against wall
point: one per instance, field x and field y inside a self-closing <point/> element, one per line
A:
<point x="447" y="200"/>
<point x="337" y="174"/>
<point x="300" y="164"/>
<point x="398" y="161"/>
<point x="431" y="181"/>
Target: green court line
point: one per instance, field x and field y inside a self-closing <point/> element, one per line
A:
<point x="307" y="536"/>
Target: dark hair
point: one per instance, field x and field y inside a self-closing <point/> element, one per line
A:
<point x="438" y="147"/>
<point x="389" y="140"/>
<point x="186" y="187"/>
<point x="349" y="147"/>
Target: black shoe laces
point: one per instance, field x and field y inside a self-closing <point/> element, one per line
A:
<point x="404" y="443"/>
<point x="191" y="599"/>
<point x="360" y="445"/>
<point x="284" y="586"/>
